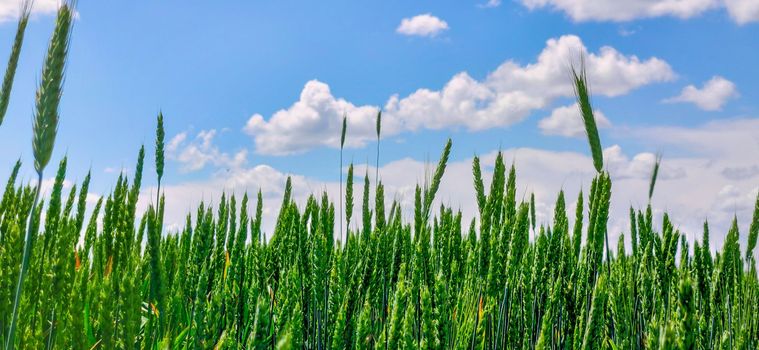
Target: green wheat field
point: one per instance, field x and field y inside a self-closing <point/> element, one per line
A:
<point x="110" y="277"/>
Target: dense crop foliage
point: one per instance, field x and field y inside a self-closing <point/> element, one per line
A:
<point x="109" y="277"/>
<point x="435" y="283"/>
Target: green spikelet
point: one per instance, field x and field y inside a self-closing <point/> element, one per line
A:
<point x="667" y="338"/>
<point x="8" y="194"/>
<point x="594" y="330"/>
<point x="366" y="213"/>
<point x="10" y="71"/>
<point x="532" y="210"/>
<point x="343" y="130"/>
<point x="397" y="314"/>
<point x="582" y="94"/>
<point x="349" y="197"/>
<point x="408" y="341"/>
<point x="364" y="336"/>
<point x="633" y="232"/>
<point x="654" y="174"/>
<point x="577" y="230"/>
<point x="342" y="142"/>
<point x="81" y="205"/>
<point x="479" y="187"/>
<point x="429" y="324"/>
<point x="379" y="128"/>
<point x="753" y="230"/>
<point x="159" y="145"/>
<point x="51" y="89"/>
<point x="436" y="178"/>
<point x="379" y="207"/>
<point x="688" y="313"/>
<point x="338" y="335"/>
<point x="154" y="241"/>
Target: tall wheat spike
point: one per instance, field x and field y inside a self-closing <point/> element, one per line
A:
<point x="654" y="175"/>
<point x="582" y="93"/>
<point x="342" y="144"/>
<point x="379" y="128"/>
<point x="159" y="156"/>
<point x="429" y="195"/>
<point x="10" y="71"/>
<point x="753" y="230"/>
<point x="45" y="128"/>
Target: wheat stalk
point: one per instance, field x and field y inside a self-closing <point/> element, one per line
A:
<point x="45" y="128"/>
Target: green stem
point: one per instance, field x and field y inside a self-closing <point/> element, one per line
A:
<point x="24" y="264"/>
<point x="341" y="196"/>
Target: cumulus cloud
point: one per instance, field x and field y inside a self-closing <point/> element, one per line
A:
<point x="10" y="9"/>
<point x="566" y="121"/>
<point x="505" y="96"/>
<point x="639" y="166"/>
<point x="314" y="120"/>
<point x="195" y="154"/>
<point x="711" y="97"/>
<point x="425" y="25"/>
<point x="742" y="11"/>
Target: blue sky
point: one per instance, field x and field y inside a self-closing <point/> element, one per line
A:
<point x="676" y="79"/>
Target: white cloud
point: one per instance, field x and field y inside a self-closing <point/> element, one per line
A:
<point x="711" y="97"/>
<point x="490" y="4"/>
<point x="10" y="9"/>
<point x="566" y="121"/>
<point x="314" y="120"/>
<point x="731" y="141"/>
<point x="742" y="11"/>
<point x="504" y="97"/>
<point x="422" y="25"/>
<point x="200" y="151"/>
<point x="639" y="166"/>
<point x="613" y="10"/>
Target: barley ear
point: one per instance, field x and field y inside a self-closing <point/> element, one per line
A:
<point x="582" y="94"/>
<point x="10" y="71"/>
<point x="50" y="90"/>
